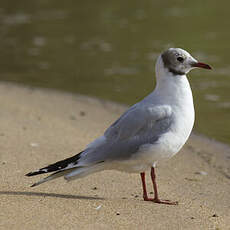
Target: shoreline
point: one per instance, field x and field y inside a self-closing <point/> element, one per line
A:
<point x="42" y="126"/>
<point x="111" y="105"/>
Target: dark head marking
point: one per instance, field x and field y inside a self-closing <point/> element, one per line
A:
<point x="171" y="59"/>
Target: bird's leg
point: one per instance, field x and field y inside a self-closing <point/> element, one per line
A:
<point x="145" y="195"/>
<point x="156" y="198"/>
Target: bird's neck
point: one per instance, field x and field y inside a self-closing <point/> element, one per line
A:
<point x="171" y="88"/>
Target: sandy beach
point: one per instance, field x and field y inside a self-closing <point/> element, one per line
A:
<point x="40" y="126"/>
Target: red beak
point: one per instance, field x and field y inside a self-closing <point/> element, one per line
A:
<point x="201" y="65"/>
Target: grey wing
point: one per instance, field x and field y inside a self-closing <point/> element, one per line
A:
<point x="138" y="118"/>
<point x="139" y="125"/>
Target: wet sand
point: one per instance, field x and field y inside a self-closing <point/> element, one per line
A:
<point x="39" y="127"/>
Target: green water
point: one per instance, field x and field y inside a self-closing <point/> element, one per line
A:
<point x="108" y="49"/>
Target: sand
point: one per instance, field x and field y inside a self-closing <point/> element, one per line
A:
<point x="39" y="127"/>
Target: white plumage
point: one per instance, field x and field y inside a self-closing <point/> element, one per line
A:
<point x="152" y="130"/>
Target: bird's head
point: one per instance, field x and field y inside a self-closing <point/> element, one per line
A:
<point x="179" y="62"/>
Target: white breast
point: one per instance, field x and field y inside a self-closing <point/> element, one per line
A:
<point x="176" y="92"/>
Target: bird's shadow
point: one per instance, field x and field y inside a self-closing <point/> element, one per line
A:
<point x="44" y="194"/>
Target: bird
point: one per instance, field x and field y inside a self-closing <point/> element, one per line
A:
<point x="152" y="130"/>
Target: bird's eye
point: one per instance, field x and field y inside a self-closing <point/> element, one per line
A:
<point x="180" y="59"/>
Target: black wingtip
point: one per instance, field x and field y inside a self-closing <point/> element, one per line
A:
<point x="28" y="174"/>
<point x="34" y="173"/>
<point x="33" y="185"/>
<point x="56" y="166"/>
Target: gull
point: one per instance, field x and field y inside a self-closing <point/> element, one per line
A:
<point x="150" y="131"/>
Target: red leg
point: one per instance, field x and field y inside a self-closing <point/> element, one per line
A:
<point x="156" y="198"/>
<point x="145" y="194"/>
